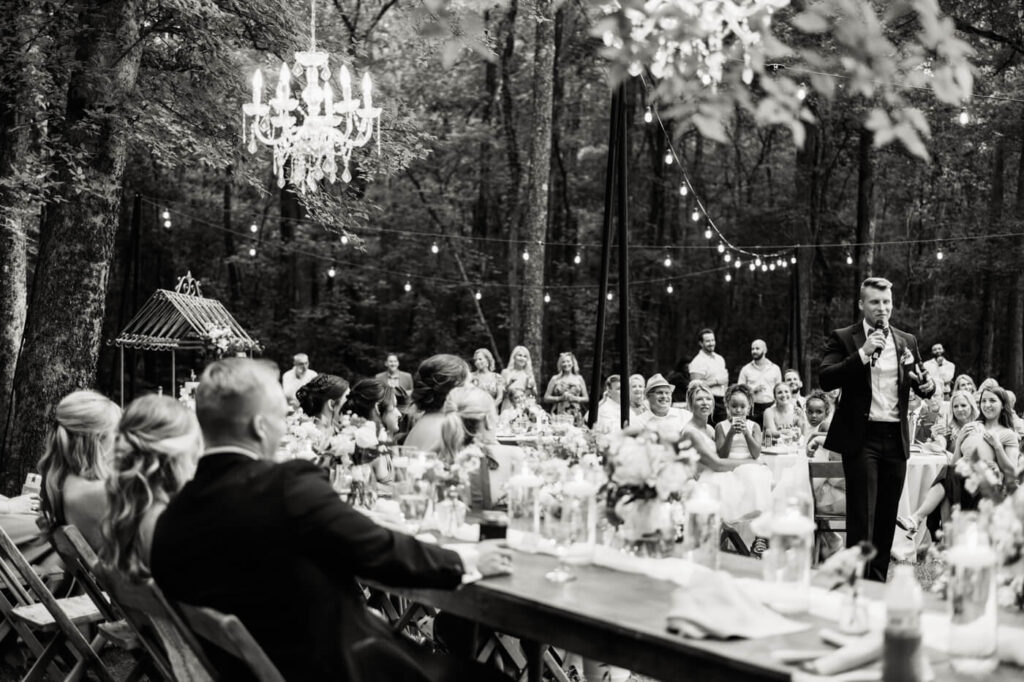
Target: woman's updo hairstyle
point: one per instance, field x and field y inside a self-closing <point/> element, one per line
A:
<point x="323" y="387"/>
<point x="365" y="395"/>
<point x="158" y="443"/>
<point x="435" y="378"/>
<point x="469" y="414"/>
<point x="78" y="444"/>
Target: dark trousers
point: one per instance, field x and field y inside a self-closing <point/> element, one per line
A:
<point x="720" y="413"/>
<point x="757" y="414"/>
<point x="874" y="483"/>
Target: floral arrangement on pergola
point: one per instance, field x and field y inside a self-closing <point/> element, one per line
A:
<point x="184" y="320"/>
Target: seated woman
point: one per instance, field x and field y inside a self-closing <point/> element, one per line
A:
<point x="524" y="414"/>
<point x="962" y="411"/>
<point x="745" y="491"/>
<point x="158" y="445"/>
<point x="435" y="378"/>
<point x="991" y="448"/>
<point x="322" y="399"/>
<point x="76" y="463"/>
<point x="365" y="401"/>
<point x="18" y="519"/>
<point x="785" y="419"/>
<point x="470" y="421"/>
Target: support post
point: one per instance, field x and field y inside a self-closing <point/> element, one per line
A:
<point x="174" y="373"/>
<point x="622" y="205"/>
<point x="120" y="352"/>
<point x="606" y="257"/>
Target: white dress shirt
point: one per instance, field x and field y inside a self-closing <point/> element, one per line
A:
<point x="941" y="373"/>
<point x="290" y="383"/>
<point x="676" y="419"/>
<point x="884" y="380"/>
<point x="710" y="368"/>
<point x="761" y="380"/>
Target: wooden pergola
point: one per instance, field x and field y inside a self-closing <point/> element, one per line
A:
<point x="175" y="321"/>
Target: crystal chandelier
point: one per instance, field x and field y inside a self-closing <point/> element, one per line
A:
<point x="310" y="137"/>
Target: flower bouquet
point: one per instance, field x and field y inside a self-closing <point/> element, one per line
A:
<point x="648" y="472"/>
<point x="220" y="342"/>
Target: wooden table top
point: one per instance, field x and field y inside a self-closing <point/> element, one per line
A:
<point x="620" y="618"/>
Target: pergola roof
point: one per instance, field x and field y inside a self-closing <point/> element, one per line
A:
<point x="175" y="321"/>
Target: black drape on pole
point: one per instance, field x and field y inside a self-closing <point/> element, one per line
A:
<point x="614" y="190"/>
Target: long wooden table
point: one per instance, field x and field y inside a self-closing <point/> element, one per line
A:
<point x="620" y="618"/>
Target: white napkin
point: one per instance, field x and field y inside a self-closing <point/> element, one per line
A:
<point x="715" y="605"/>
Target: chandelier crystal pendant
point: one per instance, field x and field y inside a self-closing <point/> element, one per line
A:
<point x="315" y="134"/>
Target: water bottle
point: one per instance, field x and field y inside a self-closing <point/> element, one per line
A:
<point x="787" y="562"/>
<point x="903" y="656"/>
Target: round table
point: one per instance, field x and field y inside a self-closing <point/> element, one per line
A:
<point x="921" y="472"/>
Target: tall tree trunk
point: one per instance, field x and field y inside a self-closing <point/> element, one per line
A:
<point x="807" y="192"/>
<point x="1016" y="378"/>
<point x="513" y="211"/>
<point x="863" y="255"/>
<point x="234" y="290"/>
<point x="537" y="194"/>
<point x="287" y="262"/>
<point x="16" y="205"/>
<point x="991" y="287"/>
<point x="62" y="333"/>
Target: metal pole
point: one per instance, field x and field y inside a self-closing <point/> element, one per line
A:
<point x="606" y="257"/>
<point x="121" y="353"/>
<point x="622" y="206"/>
<point x="174" y="372"/>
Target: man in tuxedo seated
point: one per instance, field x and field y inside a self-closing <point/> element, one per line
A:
<point x="274" y="545"/>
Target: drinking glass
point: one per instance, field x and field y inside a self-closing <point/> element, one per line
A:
<point x="972" y="596"/>
<point x="787" y="563"/>
<point x="703" y="528"/>
<point x="563" y="522"/>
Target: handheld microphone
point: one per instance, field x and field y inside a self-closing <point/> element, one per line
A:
<point x="879" y="326"/>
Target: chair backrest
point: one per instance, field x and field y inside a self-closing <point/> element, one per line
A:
<point x="227" y="632"/>
<point x="81" y="562"/>
<point x="14" y="564"/>
<point x="147" y="610"/>
<point x="826" y="470"/>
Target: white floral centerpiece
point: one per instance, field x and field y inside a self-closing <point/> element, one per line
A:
<point x="649" y="472"/>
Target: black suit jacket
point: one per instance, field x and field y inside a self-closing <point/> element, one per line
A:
<point x="842" y="368"/>
<point x="275" y="545"/>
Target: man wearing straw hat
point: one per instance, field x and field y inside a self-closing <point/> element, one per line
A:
<point x="659" y="399"/>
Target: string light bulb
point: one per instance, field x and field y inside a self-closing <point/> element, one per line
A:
<point x="721" y="247"/>
<point x="849" y="259"/>
<point x="771" y="267"/>
<point x="547" y="298"/>
<point x="478" y="295"/>
<point x="753" y="267"/>
<point x="668" y="261"/>
<point x="331" y="272"/>
<point x="166" y="215"/>
<point x="577" y="259"/>
<point x="683" y="190"/>
<point x="801" y="92"/>
<point x="526" y="255"/>
<point x="167" y="224"/>
<point x="609" y="296"/>
<point x="668" y="158"/>
<point x="764" y="267"/>
<point x="728" y="277"/>
<point x="964" y="118"/>
<point x="669" y="289"/>
<point x="738" y="263"/>
<point x="344" y="240"/>
<point x="939" y="255"/>
<point x="407" y="287"/>
<point x="253" y="228"/>
<point x="252" y="252"/>
<point x="695" y="216"/>
<point x="792" y="260"/>
<point x="648" y="115"/>
<point x="434" y="248"/>
<point x="728" y="257"/>
<point x="757" y="262"/>
<point x="707" y="233"/>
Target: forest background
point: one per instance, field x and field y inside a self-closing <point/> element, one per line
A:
<point x="494" y="141"/>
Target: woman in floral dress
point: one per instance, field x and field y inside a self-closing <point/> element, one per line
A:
<point x="484" y="376"/>
<point x="567" y="391"/>
<point x="518" y="374"/>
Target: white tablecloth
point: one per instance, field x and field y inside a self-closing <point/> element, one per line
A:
<point x="921" y="473"/>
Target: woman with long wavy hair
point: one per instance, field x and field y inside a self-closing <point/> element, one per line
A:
<point x="76" y="462"/>
<point x="158" y="443"/>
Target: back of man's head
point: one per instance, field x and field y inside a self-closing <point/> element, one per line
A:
<point x="234" y="396"/>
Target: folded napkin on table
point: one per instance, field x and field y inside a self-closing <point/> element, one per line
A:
<point x="715" y="605"/>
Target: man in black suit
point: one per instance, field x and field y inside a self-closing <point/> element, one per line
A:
<point x="274" y="545"/>
<point x="875" y="366"/>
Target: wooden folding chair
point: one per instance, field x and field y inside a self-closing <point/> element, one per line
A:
<point x="228" y="633"/>
<point x="146" y="609"/>
<point x="824" y="522"/>
<point x="34" y="610"/>
<point x="80" y="562"/>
